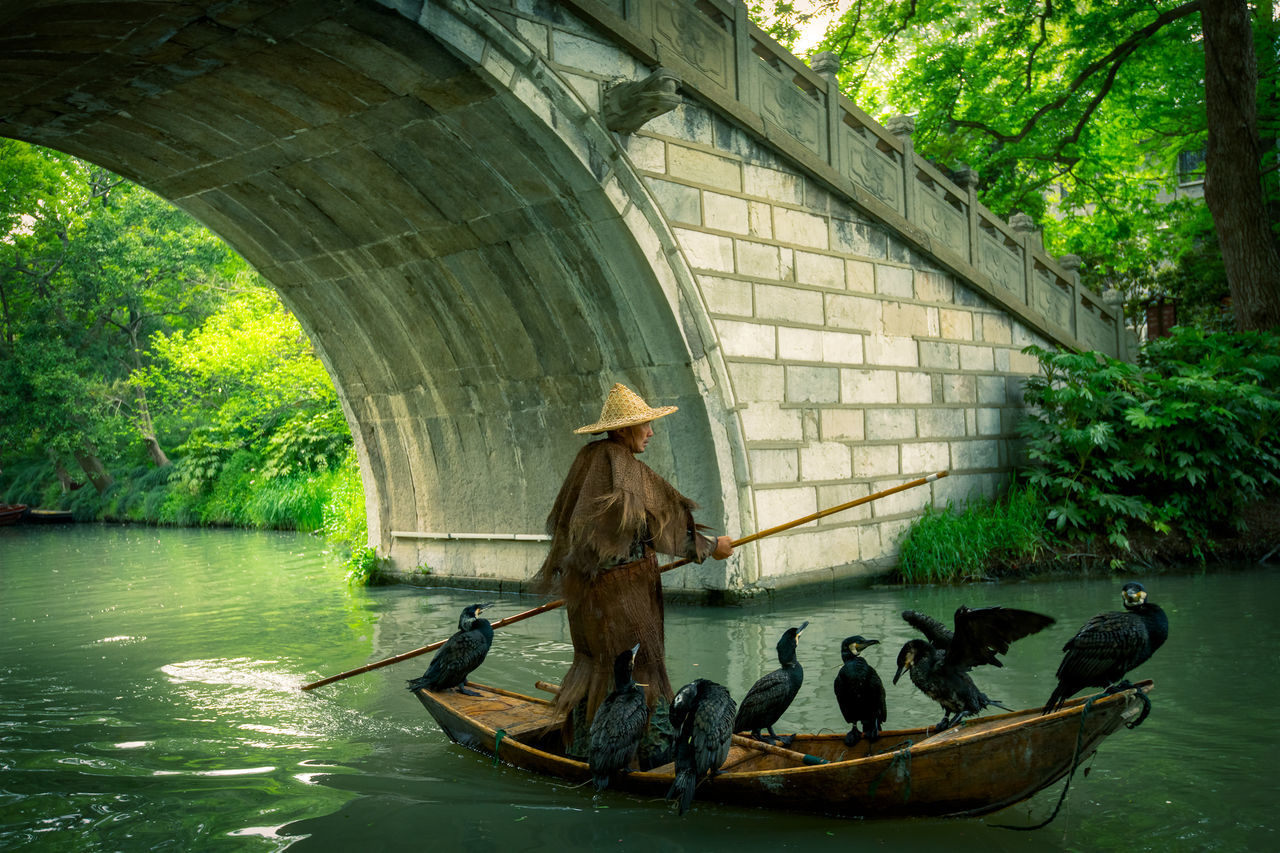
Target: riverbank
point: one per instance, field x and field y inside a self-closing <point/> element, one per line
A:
<point x="1153" y="553"/>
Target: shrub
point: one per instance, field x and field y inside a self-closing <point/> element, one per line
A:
<point x="1182" y="440"/>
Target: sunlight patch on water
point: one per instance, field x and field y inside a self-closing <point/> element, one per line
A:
<point x="230" y="771"/>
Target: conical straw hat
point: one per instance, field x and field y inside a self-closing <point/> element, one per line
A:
<point x="622" y="408"/>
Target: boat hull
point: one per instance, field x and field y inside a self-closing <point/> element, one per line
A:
<point x="980" y="766"/>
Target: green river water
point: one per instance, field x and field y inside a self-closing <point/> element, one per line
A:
<point x="149" y="701"/>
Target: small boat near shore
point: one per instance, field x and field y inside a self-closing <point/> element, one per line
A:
<point x="49" y="516"/>
<point x="12" y="513"/>
<point x="980" y="766"/>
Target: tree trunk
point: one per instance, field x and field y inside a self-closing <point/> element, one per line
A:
<point x="1233" y="183"/>
<point x="63" y="475"/>
<point x="94" y="469"/>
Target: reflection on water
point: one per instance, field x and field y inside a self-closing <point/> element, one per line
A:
<point x="149" y="699"/>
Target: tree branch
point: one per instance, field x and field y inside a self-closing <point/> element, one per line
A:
<point x="1111" y="61"/>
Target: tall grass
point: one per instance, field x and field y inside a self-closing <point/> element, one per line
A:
<point x="970" y="543"/>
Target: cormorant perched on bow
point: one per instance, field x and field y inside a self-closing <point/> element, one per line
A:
<point x="859" y="691"/>
<point x="1110" y="645"/>
<point x="460" y="654"/>
<point x="769" y="697"/>
<point x="940" y="667"/>
<point x="702" y="714"/>
<point x="619" y="722"/>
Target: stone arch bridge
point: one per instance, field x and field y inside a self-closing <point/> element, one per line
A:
<point x="485" y="212"/>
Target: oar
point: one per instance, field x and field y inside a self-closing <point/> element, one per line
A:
<point x="552" y="605"/>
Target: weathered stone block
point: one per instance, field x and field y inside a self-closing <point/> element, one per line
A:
<point x="727" y="295"/>
<point x="842" y="348"/>
<point x="984" y="453"/>
<point x="976" y="358"/>
<point x="988" y="421"/>
<point x="820" y="270"/>
<point x="894" y="281"/>
<point x="725" y="213"/>
<point x="842" y="425"/>
<point x="861" y="276"/>
<point x="1020" y="362"/>
<point x="767" y="421"/>
<point x="799" y="344"/>
<point x="772" y="184"/>
<point x="777" y="506"/>
<point x="813" y="384"/>
<point x="875" y="460"/>
<point x="915" y="387"/>
<point x="760" y="219"/>
<point x="937" y="354"/>
<point x="758" y="259"/>
<point x="789" y="303"/>
<point x="754" y="382"/>
<point x="704" y="168"/>
<point x="825" y="461"/>
<point x="905" y="319"/>
<point x="958" y="388"/>
<point x="680" y="203"/>
<point x="648" y="154"/>
<point x="946" y="423"/>
<point x="706" y="251"/>
<point x="957" y="325"/>
<point x="925" y="457"/>
<point x="997" y="329"/>
<point x="891" y="424"/>
<point x="774" y="465"/>
<point x="991" y="389"/>
<point x="896" y="351"/>
<point x="858" y="238"/>
<point x="799" y="228"/>
<point x="852" y="312"/>
<point x="868" y="386"/>
<point x="747" y="340"/>
<point x="932" y="286"/>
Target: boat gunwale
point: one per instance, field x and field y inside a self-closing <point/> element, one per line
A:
<point x="923" y="748"/>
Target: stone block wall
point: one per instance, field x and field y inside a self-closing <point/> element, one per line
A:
<point x="855" y="362"/>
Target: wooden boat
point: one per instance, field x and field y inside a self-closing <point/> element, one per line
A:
<point x="12" y="513"/>
<point x="49" y="516"/>
<point x="983" y="765"/>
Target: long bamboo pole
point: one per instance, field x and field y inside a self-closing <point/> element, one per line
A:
<point x="552" y="605"/>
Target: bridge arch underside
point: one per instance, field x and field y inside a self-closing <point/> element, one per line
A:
<point x="467" y="280"/>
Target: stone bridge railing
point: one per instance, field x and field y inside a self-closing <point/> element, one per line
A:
<point x="731" y="64"/>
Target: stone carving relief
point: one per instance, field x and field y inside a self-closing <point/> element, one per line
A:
<point x="701" y="42"/>
<point x="630" y="104"/>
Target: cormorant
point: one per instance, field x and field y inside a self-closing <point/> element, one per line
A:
<point x="702" y="713"/>
<point x="460" y="654"/>
<point x="859" y="691"/>
<point x="940" y="667"/>
<point x="619" y="722"/>
<point x="769" y="697"/>
<point x="1110" y="645"/>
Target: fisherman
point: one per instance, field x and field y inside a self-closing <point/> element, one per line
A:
<point x="612" y="517"/>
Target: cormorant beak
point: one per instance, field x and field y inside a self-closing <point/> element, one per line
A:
<point x="635" y="650"/>
<point x="480" y="608"/>
<point x="858" y="647"/>
<point x="800" y="630"/>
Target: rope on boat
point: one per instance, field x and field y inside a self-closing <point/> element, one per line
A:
<point x="1075" y="759"/>
<point x="497" y="741"/>
<point x="901" y="757"/>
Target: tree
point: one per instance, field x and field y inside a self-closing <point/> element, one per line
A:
<point x="90" y="268"/>
<point x="1076" y="113"/>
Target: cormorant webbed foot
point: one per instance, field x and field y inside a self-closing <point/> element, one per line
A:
<point x="852" y="738"/>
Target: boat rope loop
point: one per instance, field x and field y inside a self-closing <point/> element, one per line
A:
<point x="497" y="742"/>
<point x="901" y="758"/>
<point x="1075" y="759"/>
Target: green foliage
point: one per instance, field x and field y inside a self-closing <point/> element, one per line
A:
<point x="965" y="544"/>
<point x="1182" y="441"/>
<point x="1073" y="113"/>
<point x="345" y="523"/>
